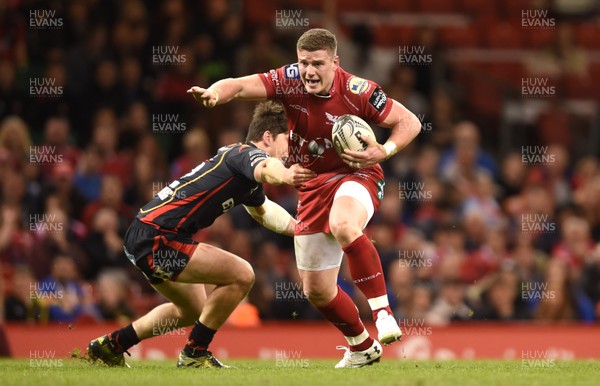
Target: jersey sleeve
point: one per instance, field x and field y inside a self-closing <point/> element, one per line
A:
<point x="257" y="198"/>
<point x="283" y="82"/>
<point x="376" y="105"/>
<point x="244" y="160"/>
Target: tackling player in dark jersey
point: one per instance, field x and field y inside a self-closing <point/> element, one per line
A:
<point x="159" y="241"/>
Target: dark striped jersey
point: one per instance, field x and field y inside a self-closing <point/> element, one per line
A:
<point x="196" y="199"/>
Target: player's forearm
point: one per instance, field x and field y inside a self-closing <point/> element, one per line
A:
<point x="403" y="133"/>
<point x="272" y="216"/>
<point x="226" y="89"/>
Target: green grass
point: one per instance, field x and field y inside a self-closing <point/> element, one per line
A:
<point x="74" y="372"/>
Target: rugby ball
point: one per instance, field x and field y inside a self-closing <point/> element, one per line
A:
<point x="348" y="131"/>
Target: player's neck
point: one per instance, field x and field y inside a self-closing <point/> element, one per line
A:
<point x="325" y="94"/>
<point x="259" y="145"/>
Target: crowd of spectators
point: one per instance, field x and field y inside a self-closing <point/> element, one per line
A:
<point x="464" y="233"/>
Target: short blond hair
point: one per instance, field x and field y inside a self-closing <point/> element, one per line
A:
<point x="317" y="39"/>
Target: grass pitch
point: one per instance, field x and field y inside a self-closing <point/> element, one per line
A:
<point x="306" y="372"/>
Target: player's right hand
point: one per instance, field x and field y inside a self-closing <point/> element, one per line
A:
<point x="296" y="175"/>
<point x="206" y="96"/>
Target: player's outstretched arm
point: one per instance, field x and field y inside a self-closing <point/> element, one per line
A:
<point x="273" y="217"/>
<point x="272" y="171"/>
<point x="405" y="127"/>
<point x="245" y="87"/>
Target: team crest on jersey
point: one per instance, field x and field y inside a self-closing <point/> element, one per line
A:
<point x="331" y="118"/>
<point x="291" y="71"/>
<point x="357" y="85"/>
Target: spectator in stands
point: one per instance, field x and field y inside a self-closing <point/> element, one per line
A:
<point x="20" y="303"/>
<point x="57" y="142"/>
<point x="556" y="296"/>
<point x="400" y="282"/>
<point x="111" y="296"/>
<point x="512" y="175"/>
<point x="105" y="137"/>
<point x="463" y="162"/>
<point x="144" y="184"/>
<point x="136" y="124"/>
<point x="450" y="305"/>
<point x="481" y="200"/>
<point x="553" y="174"/>
<point x="576" y="244"/>
<point x="67" y="299"/>
<point x="15" y="142"/>
<point x="17" y="243"/>
<point x="530" y="262"/>
<point x="402" y="89"/>
<point x="104" y="242"/>
<point x="56" y="234"/>
<point x="60" y="184"/>
<point x="111" y="197"/>
<point x="488" y="258"/>
<point x="420" y="301"/>
<point x="444" y="114"/>
<point x="88" y="177"/>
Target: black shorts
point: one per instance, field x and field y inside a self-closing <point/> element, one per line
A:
<point x="161" y="255"/>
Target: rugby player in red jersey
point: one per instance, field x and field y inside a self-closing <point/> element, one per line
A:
<point x="159" y="241"/>
<point x="334" y="207"/>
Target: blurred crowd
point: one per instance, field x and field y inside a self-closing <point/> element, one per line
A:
<point x="464" y="232"/>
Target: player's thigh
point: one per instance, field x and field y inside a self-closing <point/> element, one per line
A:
<point x="352" y="207"/>
<point x="317" y="252"/>
<point x="189" y="298"/>
<point x="212" y="265"/>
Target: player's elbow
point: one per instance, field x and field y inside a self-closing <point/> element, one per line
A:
<point x="414" y="125"/>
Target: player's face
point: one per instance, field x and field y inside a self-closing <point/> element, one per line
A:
<point x="279" y="146"/>
<point x="317" y="69"/>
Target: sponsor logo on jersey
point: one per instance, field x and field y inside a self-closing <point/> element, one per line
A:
<point x="291" y="71"/>
<point x="300" y="108"/>
<point x="226" y="205"/>
<point x="357" y="85"/>
<point x="378" y="99"/>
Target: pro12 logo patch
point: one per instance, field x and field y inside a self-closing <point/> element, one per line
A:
<point x="378" y="99"/>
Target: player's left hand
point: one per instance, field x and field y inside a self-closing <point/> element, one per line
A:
<point x="372" y="155"/>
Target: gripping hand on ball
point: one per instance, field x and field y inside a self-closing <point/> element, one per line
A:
<point x="372" y="155"/>
<point x="207" y="97"/>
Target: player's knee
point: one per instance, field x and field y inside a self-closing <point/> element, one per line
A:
<point x="344" y="231"/>
<point x="245" y="276"/>
<point x="318" y="296"/>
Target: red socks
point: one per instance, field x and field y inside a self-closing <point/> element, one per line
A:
<point x="365" y="268"/>
<point x="343" y="314"/>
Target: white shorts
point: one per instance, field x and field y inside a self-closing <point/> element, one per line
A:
<point x="321" y="251"/>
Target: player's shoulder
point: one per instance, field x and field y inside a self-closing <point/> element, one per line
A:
<point x="241" y="150"/>
<point x="289" y="72"/>
<point x="361" y="90"/>
<point x="355" y="86"/>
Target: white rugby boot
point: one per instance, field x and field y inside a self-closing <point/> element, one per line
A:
<point x="388" y="329"/>
<point x="353" y="359"/>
